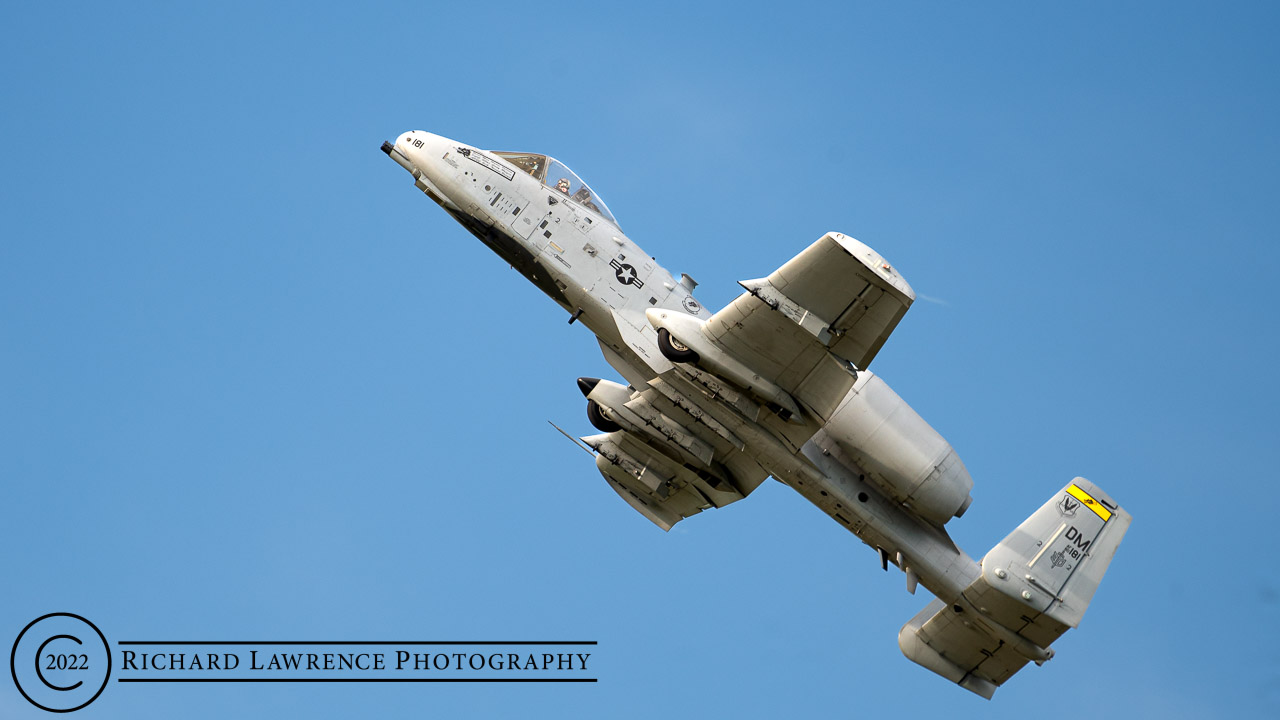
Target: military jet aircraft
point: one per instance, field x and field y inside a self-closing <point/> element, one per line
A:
<point x="776" y="384"/>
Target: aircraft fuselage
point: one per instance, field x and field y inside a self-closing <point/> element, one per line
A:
<point x="768" y="387"/>
<point x="583" y="261"/>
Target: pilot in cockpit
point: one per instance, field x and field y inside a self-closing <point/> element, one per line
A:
<point x="563" y="185"/>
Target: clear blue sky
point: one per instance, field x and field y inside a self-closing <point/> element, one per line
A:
<point x="256" y="385"/>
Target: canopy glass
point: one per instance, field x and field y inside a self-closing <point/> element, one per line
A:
<point x="559" y="178"/>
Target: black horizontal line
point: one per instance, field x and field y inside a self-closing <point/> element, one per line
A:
<point x="356" y="642"/>
<point x="355" y="680"/>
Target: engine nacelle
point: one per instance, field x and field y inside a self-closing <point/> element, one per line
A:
<point x="900" y="452"/>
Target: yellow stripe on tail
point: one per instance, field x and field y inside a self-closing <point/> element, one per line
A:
<point x="1089" y="502"/>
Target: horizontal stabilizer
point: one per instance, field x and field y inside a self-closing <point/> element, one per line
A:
<point x="950" y="648"/>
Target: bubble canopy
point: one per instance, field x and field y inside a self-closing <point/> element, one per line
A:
<point x="558" y="178"/>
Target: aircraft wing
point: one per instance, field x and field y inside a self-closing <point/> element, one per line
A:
<point x="656" y="485"/>
<point x="836" y="301"/>
<point x="665" y="469"/>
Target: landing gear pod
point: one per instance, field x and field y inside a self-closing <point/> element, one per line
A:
<point x="673" y="349"/>
<point x="598" y="420"/>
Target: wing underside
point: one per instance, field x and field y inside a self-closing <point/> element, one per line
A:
<point x="833" y="304"/>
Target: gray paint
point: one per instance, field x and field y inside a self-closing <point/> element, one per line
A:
<point x="781" y="389"/>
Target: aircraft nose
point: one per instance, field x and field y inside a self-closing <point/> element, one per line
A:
<point x="424" y="155"/>
<point x="399" y="152"/>
<point x="423" y="149"/>
<point x="423" y="143"/>
<point x="417" y="149"/>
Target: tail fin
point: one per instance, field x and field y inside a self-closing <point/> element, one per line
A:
<point x="1035" y="585"/>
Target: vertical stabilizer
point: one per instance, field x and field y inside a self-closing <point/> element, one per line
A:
<point x="1059" y="554"/>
